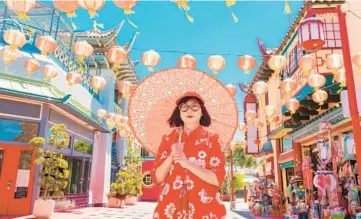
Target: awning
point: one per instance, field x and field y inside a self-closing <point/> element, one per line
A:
<point x="29" y="88"/>
<point x="281" y="131"/>
<point x="287" y="164"/>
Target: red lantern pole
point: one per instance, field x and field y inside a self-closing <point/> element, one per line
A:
<point x="351" y="90"/>
<point x="232" y="183"/>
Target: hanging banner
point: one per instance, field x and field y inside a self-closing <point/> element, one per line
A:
<point x="349" y="147"/>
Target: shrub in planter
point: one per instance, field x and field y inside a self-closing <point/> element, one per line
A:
<point x="54" y="173"/>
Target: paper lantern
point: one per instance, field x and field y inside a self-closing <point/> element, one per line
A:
<point x="118" y="118"/>
<point x="277" y="63"/>
<point x="110" y="123"/>
<point x="124" y="87"/>
<point x="97" y="83"/>
<point x="117" y="55"/>
<point x="311" y="34"/>
<point x="46" y="44"/>
<point x="101" y="113"/>
<point x="256" y="141"/>
<point x="316" y="80"/>
<point x="246" y="63"/>
<point x="307" y="63"/>
<point x="340" y="77"/>
<point x="9" y="55"/>
<point x="216" y="63"/>
<point x="260" y="88"/>
<point x="126" y="5"/>
<point x="111" y="116"/>
<point x="287" y="86"/>
<point x="242" y="127"/>
<point x="356" y="60"/>
<point x="92" y="6"/>
<point x="275" y="119"/>
<point x="31" y="65"/>
<point x="50" y="72"/>
<point x="21" y="7"/>
<point x="334" y="62"/>
<point x="82" y="49"/>
<point x="67" y="6"/>
<point x="250" y="115"/>
<point x="258" y="123"/>
<point x="232" y="89"/>
<point x="292" y="105"/>
<point x="150" y="59"/>
<point x="15" y="38"/>
<point x="73" y="78"/>
<point x="270" y="110"/>
<point x="320" y="96"/>
<point x="187" y="61"/>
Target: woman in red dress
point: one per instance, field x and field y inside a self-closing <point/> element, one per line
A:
<point x="191" y="172"/>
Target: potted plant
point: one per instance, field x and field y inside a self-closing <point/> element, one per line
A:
<point x="116" y="195"/>
<point x="54" y="173"/>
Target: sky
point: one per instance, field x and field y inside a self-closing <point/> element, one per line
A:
<point x="163" y="28"/>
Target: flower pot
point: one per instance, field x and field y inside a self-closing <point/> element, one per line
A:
<point x="131" y="200"/>
<point x="43" y="208"/>
<point x="114" y="202"/>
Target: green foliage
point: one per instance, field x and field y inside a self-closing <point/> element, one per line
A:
<point x="82" y="146"/>
<point x="55" y="173"/>
<point x="240" y="159"/>
<point x="238" y="183"/>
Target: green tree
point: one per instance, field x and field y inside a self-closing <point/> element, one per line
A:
<point x="240" y="159"/>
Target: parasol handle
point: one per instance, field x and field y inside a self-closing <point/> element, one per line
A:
<point x="180" y="136"/>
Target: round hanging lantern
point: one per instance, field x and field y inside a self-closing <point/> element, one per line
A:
<point x="256" y="141"/>
<point x="288" y="85"/>
<point x="320" y="96"/>
<point x="246" y="63"/>
<point x="97" y="83"/>
<point x="126" y="5"/>
<point x="258" y="123"/>
<point x="73" y="78"/>
<point x="340" y="77"/>
<point x="216" y="63"/>
<point x="118" y="118"/>
<point x="67" y="6"/>
<point x="270" y="110"/>
<point x="242" y="127"/>
<point x="46" y="44"/>
<point x="101" y="113"/>
<point x="259" y="88"/>
<point x="50" y="72"/>
<point x="311" y="34"/>
<point x="275" y="119"/>
<point x="277" y="63"/>
<point x="307" y="63"/>
<point x="9" y="55"/>
<point x="110" y="123"/>
<point x="232" y="89"/>
<point x="125" y="87"/>
<point x="82" y="49"/>
<point x="117" y="55"/>
<point x="15" y="38"/>
<point x="334" y="62"/>
<point x="21" y="7"/>
<point x="250" y="115"/>
<point x="150" y="59"/>
<point x="187" y="61"/>
<point x="31" y="65"/>
<point x="92" y="6"/>
<point x="111" y="116"/>
<point x="316" y="80"/>
<point x="356" y="60"/>
<point x="292" y="105"/>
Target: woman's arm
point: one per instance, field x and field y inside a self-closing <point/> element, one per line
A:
<point x="162" y="171"/>
<point x="163" y="162"/>
<point x="206" y="175"/>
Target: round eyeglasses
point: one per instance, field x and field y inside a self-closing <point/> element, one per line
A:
<point x="193" y="107"/>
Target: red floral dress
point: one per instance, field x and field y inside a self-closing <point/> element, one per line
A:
<point x="184" y="195"/>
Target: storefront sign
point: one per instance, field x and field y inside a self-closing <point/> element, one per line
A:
<point x="21" y="192"/>
<point x="18" y="131"/>
<point x="268" y="168"/>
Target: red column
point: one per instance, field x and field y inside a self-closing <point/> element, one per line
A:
<point x="277" y="169"/>
<point x="297" y="155"/>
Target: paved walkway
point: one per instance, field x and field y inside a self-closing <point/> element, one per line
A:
<point x="142" y="210"/>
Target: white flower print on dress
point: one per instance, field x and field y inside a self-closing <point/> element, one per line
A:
<point x="191" y="210"/>
<point x="204" y="198"/>
<point x="202" y="155"/>
<point x="178" y="183"/>
<point x="156" y="215"/>
<point x="210" y="216"/>
<point x="179" y="215"/>
<point x="189" y="183"/>
<point x="218" y="198"/>
<point x="169" y="210"/>
<point x="214" y="161"/>
<point x="164" y="155"/>
<point x="201" y="163"/>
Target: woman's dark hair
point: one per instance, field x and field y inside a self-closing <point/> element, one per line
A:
<point x="175" y="119"/>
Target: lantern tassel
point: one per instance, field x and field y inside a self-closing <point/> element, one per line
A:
<point x="74" y="26"/>
<point x="335" y="71"/>
<point x="96" y="25"/>
<point x="150" y="68"/>
<point x="81" y="69"/>
<point x="189" y="17"/>
<point x="183" y="5"/>
<point x="235" y="18"/>
<point x="80" y="59"/>
<point x="44" y="53"/>
<point x="128" y="11"/>
<point x="23" y="16"/>
<point x="131" y="23"/>
<point x="30" y="29"/>
<point x="71" y="14"/>
<point x="92" y="13"/>
<point x="107" y="63"/>
<point x="288" y="9"/>
<point x="116" y="65"/>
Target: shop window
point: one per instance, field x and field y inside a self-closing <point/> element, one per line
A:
<point x="293" y="58"/>
<point x="18" y="131"/>
<point x="86" y="176"/>
<point x="76" y="168"/>
<point x="285" y="145"/>
<point x="289" y="173"/>
<point x="83" y="146"/>
<point x="144" y="153"/>
<point x="332" y="33"/>
<point x="147" y="179"/>
<point x="51" y="139"/>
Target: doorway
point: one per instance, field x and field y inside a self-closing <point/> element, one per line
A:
<point x="16" y="179"/>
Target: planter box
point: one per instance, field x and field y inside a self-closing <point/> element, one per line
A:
<point x="43" y="208"/>
<point x="114" y="202"/>
<point x="131" y="200"/>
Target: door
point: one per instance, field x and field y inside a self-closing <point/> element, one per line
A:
<point x="16" y="179"/>
<point x="150" y="191"/>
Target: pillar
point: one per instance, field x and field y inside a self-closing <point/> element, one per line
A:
<point x="277" y="170"/>
<point x="102" y="147"/>
<point x="297" y="155"/>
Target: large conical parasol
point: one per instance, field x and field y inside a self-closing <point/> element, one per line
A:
<point x="154" y="99"/>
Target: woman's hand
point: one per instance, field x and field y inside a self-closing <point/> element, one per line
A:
<point x="179" y="156"/>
